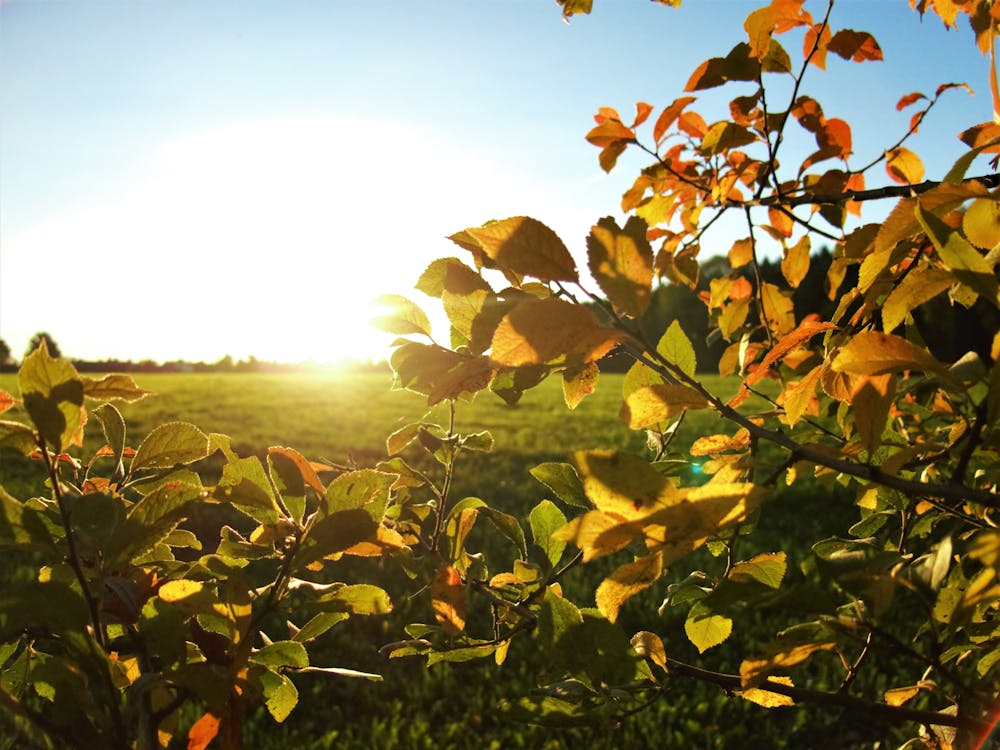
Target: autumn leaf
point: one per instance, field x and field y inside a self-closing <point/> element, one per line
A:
<point x="527" y="247"/>
<point x="795" y="264"/>
<point x="579" y="382"/>
<point x="621" y="261"/>
<point x="794" y="339"/>
<point x="904" y="166"/>
<point x="203" y="731"/>
<point x="706" y="628"/>
<point x="657" y="403"/>
<point x="650" y="646"/>
<point x="766" y="698"/>
<point x="625" y="582"/>
<point x="622" y="484"/>
<point x="448" y="600"/>
<point x="858" y="46"/>
<point x="545" y="330"/>
<point x="403" y="316"/>
<point x="877" y="353"/>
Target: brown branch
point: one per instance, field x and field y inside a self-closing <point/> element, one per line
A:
<point x="860" y="196"/>
<point x="893" y="714"/>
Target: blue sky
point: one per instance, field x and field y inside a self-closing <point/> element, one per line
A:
<point x="197" y="178"/>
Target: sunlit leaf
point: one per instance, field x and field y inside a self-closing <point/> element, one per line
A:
<point x="657" y="403"/>
<point x="448" y="600"/>
<point x="858" y="46"/>
<point x="920" y="285"/>
<point x="280" y="695"/>
<point x="203" y="731"/>
<point x="768" y="569"/>
<point x="113" y="387"/>
<point x="650" y="646"/>
<point x="545" y="518"/>
<point x="563" y="480"/>
<point x="622" y="484"/>
<point x="545" y="330"/>
<point x="625" y="582"/>
<point x="579" y="382"/>
<point x="52" y="394"/>
<point x="981" y="223"/>
<point x="766" y="698"/>
<point x="795" y="263"/>
<point x="904" y="166"/>
<point x="527" y="247"/>
<point x="402" y="317"/>
<point x="706" y="628"/>
<point x="877" y="353"/>
<point x="170" y="444"/>
<point x="621" y="261"/>
<point x="675" y="347"/>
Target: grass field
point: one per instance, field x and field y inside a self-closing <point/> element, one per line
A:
<point x="345" y="419"/>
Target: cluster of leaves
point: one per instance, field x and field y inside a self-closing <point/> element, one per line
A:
<point x="114" y="617"/>
<point x="861" y="402"/>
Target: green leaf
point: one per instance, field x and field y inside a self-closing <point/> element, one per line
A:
<point x="318" y="625"/>
<point x="281" y="654"/>
<point x="341" y="672"/>
<point x="49" y="605"/>
<point x="364" y="488"/>
<point x="405" y="317"/>
<point x="280" y="695"/>
<point x="52" y="394"/>
<point x="706" y="628"/>
<point x="466" y="653"/>
<point x="18" y="437"/>
<point x="115" y="387"/>
<point x="969" y="266"/>
<point x="357" y="599"/>
<point x="768" y="569"/>
<point x="245" y="484"/>
<point x="545" y="518"/>
<point x="335" y="533"/>
<point x="563" y="480"/>
<point x="21" y="525"/>
<point x="676" y="348"/>
<point x="621" y="261"/>
<point x="113" y="426"/>
<point x="170" y="444"/>
<point x="509" y="527"/>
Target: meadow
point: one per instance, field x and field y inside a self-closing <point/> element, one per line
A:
<point x="344" y="419"/>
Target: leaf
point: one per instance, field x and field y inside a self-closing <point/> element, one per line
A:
<point x="363" y="488"/>
<point x="858" y="46"/>
<point x="527" y="247"/>
<point x="545" y="518"/>
<point x="669" y="116"/>
<point x="705" y="628"/>
<point x="622" y="484"/>
<point x="768" y="569"/>
<point x="794" y="339"/>
<point x="281" y="654"/>
<point x="741" y="253"/>
<point x="572" y="7"/>
<point x="43" y="605"/>
<point x="203" y="731"/>
<point x="899" y="696"/>
<point x="904" y="166"/>
<point x="404" y="317"/>
<point x="795" y="263"/>
<point x="341" y="672"/>
<point x="357" y="599"/>
<point x="621" y="261"/>
<point x="52" y="394"/>
<point x="652" y="404"/>
<point x="625" y="582"/>
<point x="508" y="526"/>
<point x="778" y="309"/>
<point x="766" y="698"/>
<point x="725" y="136"/>
<point x="113" y="388"/>
<point x="920" y="285"/>
<point x="563" y="480"/>
<point x="280" y="695"/>
<point x="793" y="647"/>
<point x="579" y="382"/>
<point x="170" y="444"/>
<point x="650" y="646"/>
<point x="546" y="330"/>
<point x="675" y="347"/>
<point x="968" y="265"/>
<point x="981" y="223"/>
<point x="335" y="533"/>
<point x="318" y="625"/>
<point x="877" y="353"/>
<point x="448" y="600"/>
<point x="18" y="437"/>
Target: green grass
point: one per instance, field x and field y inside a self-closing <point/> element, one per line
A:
<point x="345" y="419"/>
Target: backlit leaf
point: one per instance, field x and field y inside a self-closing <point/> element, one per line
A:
<point x="545" y="330"/>
<point x="877" y="353"/>
<point x="650" y="646"/>
<point x="657" y="403"/>
<point x="203" y="731"/>
<point x="766" y="698"/>
<point x="527" y="247"/>
<point x="669" y="116"/>
<point x="403" y="316"/>
<point x="793" y="340"/>
<point x="622" y="484"/>
<point x="904" y="166"/>
<point x="625" y="582"/>
<point x="448" y="600"/>
<point x="563" y="480"/>
<point x="363" y="488"/>
<point x="280" y="695"/>
<point x="52" y="394"/>
<point x="981" y="223"/>
<point x="281" y="654"/>
<point x="785" y="652"/>
<point x="114" y="387"/>
<point x="621" y="261"/>
<point x="778" y="308"/>
<point x="969" y="266"/>
<point x="169" y="444"/>
<point x="741" y="253"/>
<point x="858" y="46"/>
<point x="768" y="569"/>
<point x="795" y="263"/>
<point x="706" y="628"/>
<point x="335" y="533"/>
<point x="579" y="382"/>
<point x="18" y="437"/>
<point x="675" y="347"/>
<point x="921" y="284"/>
<point x="545" y="518"/>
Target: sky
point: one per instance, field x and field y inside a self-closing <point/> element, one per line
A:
<point x="199" y="178"/>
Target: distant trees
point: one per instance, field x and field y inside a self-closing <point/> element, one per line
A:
<point x="4" y="354"/>
<point x="50" y="344"/>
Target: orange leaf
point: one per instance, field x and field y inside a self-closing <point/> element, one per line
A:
<point x="909" y="99"/>
<point x="6" y="401"/>
<point x="526" y="246"/>
<point x="642" y="111"/>
<point x="836" y="134"/>
<point x="855" y="45"/>
<point x="608" y="132"/>
<point x="817" y="37"/>
<point x="780" y="220"/>
<point x="544" y="330"/>
<point x="693" y="124"/>
<point x="448" y="600"/>
<point x="669" y="115"/>
<point x="759" y="26"/>
<point x="805" y="331"/>
<point x="203" y="732"/>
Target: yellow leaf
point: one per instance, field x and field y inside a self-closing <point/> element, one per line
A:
<point x="579" y="382"/>
<point x="625" y="582"/>
<point x="870" y="405"/>
<point x="706" y="628"/>
<point x="899" y="696"/>
<point x="657" y="403"/>
<point x="527" y="247"/>
<point x="918" y="286"/>
<point x="778" y="309"/>
<point x="544" y="330"/>
<point x="621" y="261"/>
<point x="650" y="646"/>
<point x="402" y="317"/>
<point x="981" y="223"/>
<point x="597" y="534"/>
<point x="877" y="353"/>
<point x="712" y="444"/>
<point x="766" y="698"/>
<point x="622" y="484"/>
<point x="675" y="347"/>
<point x="448" y="600"/>
<point x="780" y="656"/>
<point x="904" y="166"/>
<point x="795" y="264"/>
<point x="805" y="331"/>
<point x="741" y="253"/>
